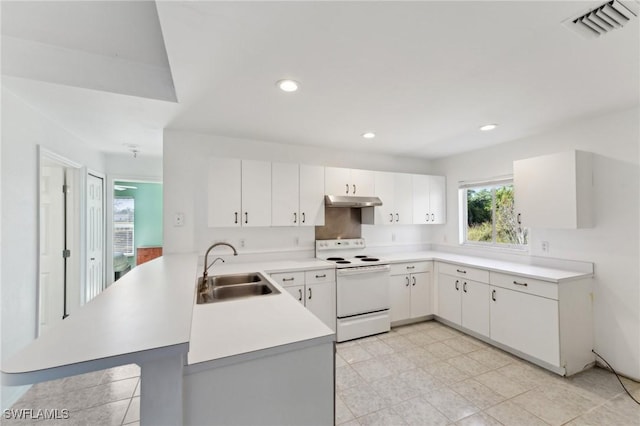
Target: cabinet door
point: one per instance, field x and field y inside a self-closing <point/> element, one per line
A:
<point x="385" y="186"/>
<point x="320" y="299"/>
<point x="437" y="199"/>
<point x="256" y="193"/>
<point x="224" y="192"/>
<point x="527" y="323"/>
<point x="284" y="194"/>
<point x="403" y="199"/>
<point x="400" y="297"/>
<point x="311" y="196"/>
<point x="336" y="181"/>
<point x="475" y="306"/>
<point x="449" y="304"/>
<point x="420" y="294"/>
<point x="296" y="291"/>
<point x="362" y="183"/>
<point x="420" y="190"/>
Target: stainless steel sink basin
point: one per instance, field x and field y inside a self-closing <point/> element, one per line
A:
<point x="227" y="287"/>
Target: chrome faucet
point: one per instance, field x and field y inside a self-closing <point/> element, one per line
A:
<point x="206" y="256"/>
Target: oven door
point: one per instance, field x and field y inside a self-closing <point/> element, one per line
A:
<point x="362" y="290"/>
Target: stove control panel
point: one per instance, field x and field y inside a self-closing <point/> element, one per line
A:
<point x="351" y="243"/>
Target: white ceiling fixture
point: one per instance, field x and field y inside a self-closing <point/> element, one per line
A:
<point x="488" y="127"/>
<point x="612" y="15"/>
<point x="287" y="85"/>
<point x="369" y="135"/>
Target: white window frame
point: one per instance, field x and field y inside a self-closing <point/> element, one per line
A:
<point x="127" y="225"/>
<point x="463" y="213"/>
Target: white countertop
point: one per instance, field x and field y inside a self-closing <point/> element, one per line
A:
<point x="524" y="270"/>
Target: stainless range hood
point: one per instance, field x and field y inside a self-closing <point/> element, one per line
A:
<point x="351" y="201"/>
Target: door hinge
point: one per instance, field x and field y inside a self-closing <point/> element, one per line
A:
<point x="65" y="189"/>
<point x="66" y="253"/>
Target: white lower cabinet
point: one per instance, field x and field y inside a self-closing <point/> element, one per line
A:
<point x="314" y="289"/>
<point x="410" y="291"/>
<point x="464" y="302"/>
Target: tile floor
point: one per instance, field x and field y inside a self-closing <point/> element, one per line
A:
<point x="422" y="374"/>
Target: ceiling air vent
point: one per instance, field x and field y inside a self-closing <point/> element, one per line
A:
<point x="603" y="19"/>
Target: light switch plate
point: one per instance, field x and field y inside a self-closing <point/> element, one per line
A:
<point x="178" y="219"/>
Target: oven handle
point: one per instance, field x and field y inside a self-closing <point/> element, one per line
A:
<point x="365" y="270"/>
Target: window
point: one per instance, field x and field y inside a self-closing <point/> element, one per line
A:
<point x="488" y="216"/>
<point x="123" y="216"/>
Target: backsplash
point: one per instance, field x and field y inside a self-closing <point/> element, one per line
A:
<point x="340" y="222"/>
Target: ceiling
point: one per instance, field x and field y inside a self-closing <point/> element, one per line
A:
<point x="422" y="75"/>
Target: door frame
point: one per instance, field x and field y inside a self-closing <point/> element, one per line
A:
<point x="44" y="154"/>
<point x="109" y="216"/>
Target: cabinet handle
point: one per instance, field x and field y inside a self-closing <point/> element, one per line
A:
<point x="414" y="281"/>
<point x="391" y="217"/>
<point x="246" y="217"/>
<point x="288" y="279"/>
<point x="433" y="218"/>
<point x="464" y="287"/>
<point x="462" y="271"/>
<point x="493" y="295"/>
<point x="236" y="213"/>
<point x="309" y="294"/>
<point x="354" y="189"/>
<point x="411" y="267"/>
<point x="321" y="276"/>
<point x="304" y="217"/>
<point x="522" y="284"/>
<point x="347" y="185"/>
<point x="407" y="285"/>
<point x="427" y="217"/>
<point x="457" y="286"/>
<point x="397" y="217"/>
<point x="519" y="217"/>
<point x="295" y="217"/>
<point x="300" y="295"/>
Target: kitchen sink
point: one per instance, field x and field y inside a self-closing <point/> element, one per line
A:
<point x="228" y="287"/>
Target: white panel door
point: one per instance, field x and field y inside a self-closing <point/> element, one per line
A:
<point x="400" y="297"/>
<point x="311" y="195"/>
<point x="385" y="187"/>
<point x="527" y="323"/>
<point x="420" y="294"/>
<point x="403" y="199"/>
<point x="296" y="291"/>
<point x="95" y="237"/>
<point x="420" y="190"/>
<point x="362" y="183"/>
<point x="256" y="193"/>
<point x="336" y="181"/>
<point x="437" y="199"/>
<point x="475" y="306"/>
<point x="449" y="304"/>
<point x="51" y="281"/>
<point x="284" y="194"/>
<point x="320" y="299"/>
<point x="224" y="192"/>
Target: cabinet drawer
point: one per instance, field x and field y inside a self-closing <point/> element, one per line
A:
<point x="460" y="271"/>
<point x="411" y="268"/>
<point x="320" y="276"/>
<point x="287" y="279"/>
<point x="525" y="285"/>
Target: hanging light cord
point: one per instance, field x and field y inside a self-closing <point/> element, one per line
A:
<point x="617" y="377"/>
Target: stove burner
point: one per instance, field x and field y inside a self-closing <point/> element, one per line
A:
<point x="361" y="256"/>
<point x="335" y="258"/>
<point x="343" y="261"/>
<point x="370" y="259"/>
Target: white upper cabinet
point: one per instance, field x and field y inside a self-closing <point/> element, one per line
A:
<point x="429" y="199"/>
<point x="285" y="190"/>
<point x="554" y="191"/>
<point x="394" y="189"/>
<point x="341" y="181"/>
<point x="311" y="195"/>
<point x="297" y="195"/>
<point x="224" y="192"/>
<point x="239" y="193"/>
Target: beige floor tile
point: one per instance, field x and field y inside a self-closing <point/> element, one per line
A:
<point x="399" y="343"/>
<point x="347" y="377"/>
<point x="398" y="363"/>
<point x="137" y="391"/>
<point x="421" y="380"/>
<point x="133" y="412"/>
<point x="419" y="412"/>
<point x="443" y="333"/>
<point x="603" y="416"/>
<point x="463" y="344"/>
<point x="451" y="404"/>
<point x="468" y="365"/>
<point x="597" y="381"/>
<point x="353" y="422"/>
<point x="372" y="369"/>
<point x="119" y="373"/>
<point x="377" y="348"/>
<point x="441" y="350"/>
<point x="113" y="391"/>
<point x="362" y="400"/>
<point x="510" y="414"/>
<point x="480" y="395"/>
<point x="340" y="361"/>
<point x="490" y="357"/>
<point x="528" y="376"/>
<point x="103" y="415"/>
<point x="420" y="338"/>
<point x="354" y="353"/>
<point x="343" y="414"/>
<point x="551" y="411"/>
<point x="446" y="373"/>
<point x="384" y="417"/>
<point x="479" y="419"/>
<point x="625" y="406"/>
<point x="420" y="356"/>
<point x="501" y="384"/>
<point x="394" y="390"/>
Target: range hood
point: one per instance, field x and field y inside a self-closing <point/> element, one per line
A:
<point x="351" y="201"/>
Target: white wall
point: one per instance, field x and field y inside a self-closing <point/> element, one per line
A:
<point x="143" y="167"/>
<point x="23" y="128"/>
<point x="185" y="190"/>
<point x="613" y="244"/>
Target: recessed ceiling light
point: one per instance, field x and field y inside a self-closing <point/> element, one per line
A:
<point x="488" y="127"/>
<point x="287" y="85"/>
<point x="369" y="135"/>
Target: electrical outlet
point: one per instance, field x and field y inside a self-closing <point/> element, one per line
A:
<point x="545" y="246"/>
<point x="178" y="219"/>
<point x="242" y="242"/>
